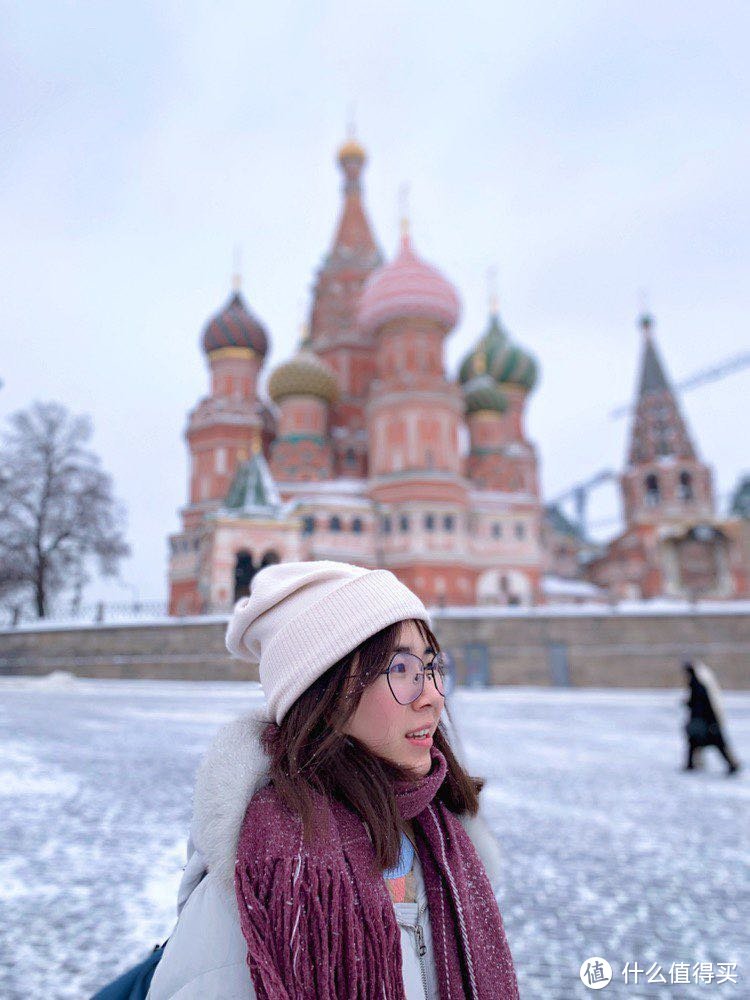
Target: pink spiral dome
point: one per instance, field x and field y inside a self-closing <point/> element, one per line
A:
<point x="407" y="287"/>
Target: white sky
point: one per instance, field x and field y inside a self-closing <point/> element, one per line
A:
<point x="588" y="150"/>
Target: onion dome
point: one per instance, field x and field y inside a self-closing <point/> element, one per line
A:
<point x="351" y="150"/>
<point x="407" y="287"/>
<point x="235" y="326"/>
<point x="497" y="356"/>
<point x="303" y="375"/>
<point x="483" y="393"/>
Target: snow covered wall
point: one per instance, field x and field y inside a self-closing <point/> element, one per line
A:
<point x="632" y="645"/>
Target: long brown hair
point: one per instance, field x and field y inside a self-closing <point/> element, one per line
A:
<point x="309" y="752"/>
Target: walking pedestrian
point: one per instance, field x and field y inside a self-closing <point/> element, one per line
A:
<point x="706" y="724"/>
<point x="337" y="850"/>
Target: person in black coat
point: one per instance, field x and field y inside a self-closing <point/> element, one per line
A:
<point x="704" y="728"/>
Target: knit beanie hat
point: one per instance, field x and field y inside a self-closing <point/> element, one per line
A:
<point x="302" y="617"/>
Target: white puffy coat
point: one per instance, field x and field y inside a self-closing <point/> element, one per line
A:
<point x="206" y="957"/>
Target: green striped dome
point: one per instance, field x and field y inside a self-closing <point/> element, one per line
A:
<point x="497" y="356"/>
<point x="483" y="393"/>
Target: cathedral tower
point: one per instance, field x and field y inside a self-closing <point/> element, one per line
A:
<point x="224" y="430"/>
<point x="227" y="425"/>
<point x="334" y="336"/>
<point x="664" y="480"/>
<point x="497" y="377"/>
<point x="413" y="419"/>
<point x="304" y="388"/>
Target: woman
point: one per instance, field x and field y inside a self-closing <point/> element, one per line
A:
<point x="335" y="850"/>
<point x="706" y="724"/>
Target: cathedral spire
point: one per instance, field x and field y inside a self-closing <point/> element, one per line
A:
<point x="658" y="428"/>
<point x="237" y="268"/>
<point x="353" y="242"/>
<point x="652" y="377"/>
<point x="492" y="297"/>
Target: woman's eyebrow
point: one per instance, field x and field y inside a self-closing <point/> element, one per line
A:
<point x="406" y="649"/>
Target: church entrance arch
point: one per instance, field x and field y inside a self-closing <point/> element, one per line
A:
<point x="244" y="571"/>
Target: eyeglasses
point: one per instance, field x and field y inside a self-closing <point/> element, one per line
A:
<point x="406" y="675"/>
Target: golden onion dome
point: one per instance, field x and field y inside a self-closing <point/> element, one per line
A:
<point x="303" y="375"/>
<point x="351" y="150"/>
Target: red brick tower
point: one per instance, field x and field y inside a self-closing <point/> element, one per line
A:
<point x="227" y="425"/>
<point x="663" y="479"/>
<point x="497" y="377"/>
<point x="413" y="419"/>
<point x="224" y="429"/>
<point x="303" y="388"/>
<point x="673" y="544"/>
<point x="334" y="336"/>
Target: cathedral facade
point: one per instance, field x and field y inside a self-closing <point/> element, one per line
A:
<point x="363" y="449"/>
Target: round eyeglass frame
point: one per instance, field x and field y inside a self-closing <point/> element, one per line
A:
<point x="440" y="658"/>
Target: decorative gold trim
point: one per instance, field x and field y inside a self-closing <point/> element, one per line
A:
<point x="485" y="414"/>
<point x="232" y="352"/>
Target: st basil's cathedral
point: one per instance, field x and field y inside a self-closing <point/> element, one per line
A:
<point x="366" y="451"/>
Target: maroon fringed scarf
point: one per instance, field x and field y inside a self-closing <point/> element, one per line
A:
<point x="319" y="922"/>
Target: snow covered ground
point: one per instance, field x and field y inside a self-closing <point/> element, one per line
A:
<point x="610" y="849"/>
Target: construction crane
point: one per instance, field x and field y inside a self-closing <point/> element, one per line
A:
<point x="579" y="492"/>
<point x="580" y="495"/>
<point x="713" y="374"/>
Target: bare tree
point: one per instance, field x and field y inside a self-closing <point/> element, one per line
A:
<point x="56" y="505"/>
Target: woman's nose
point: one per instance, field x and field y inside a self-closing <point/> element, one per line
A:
<point x="430" y="694"/>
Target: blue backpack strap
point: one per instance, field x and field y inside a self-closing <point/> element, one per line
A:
<point x="135" y="983"/>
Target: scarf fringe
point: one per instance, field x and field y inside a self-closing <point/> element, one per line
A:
<point x="306" y="937"/>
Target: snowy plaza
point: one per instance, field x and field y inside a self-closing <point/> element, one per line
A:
<point x="610" y="849"/>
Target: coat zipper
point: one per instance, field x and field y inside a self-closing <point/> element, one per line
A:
<point x="421" y="950"/>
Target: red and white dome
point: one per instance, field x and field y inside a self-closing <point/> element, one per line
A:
<point x="407" y="287"/>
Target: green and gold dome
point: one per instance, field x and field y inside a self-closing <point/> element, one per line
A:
<point x="303" y="375"/>
<point x="497" y="356"/>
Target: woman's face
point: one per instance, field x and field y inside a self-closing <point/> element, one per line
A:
<point x="382" y="724"/>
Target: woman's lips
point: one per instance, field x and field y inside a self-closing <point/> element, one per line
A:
<point x="424" y="741"/>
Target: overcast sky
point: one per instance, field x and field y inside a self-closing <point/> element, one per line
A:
<point x="588" y="150"/>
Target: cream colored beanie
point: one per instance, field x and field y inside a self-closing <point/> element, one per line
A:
<point x="302" y="617"/>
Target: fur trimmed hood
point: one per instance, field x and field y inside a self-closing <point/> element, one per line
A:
<point x="234" y="768"/>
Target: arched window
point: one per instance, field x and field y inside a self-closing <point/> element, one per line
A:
<point x="308" y="525"/>
<point x="403" y="522"/>
<point x="357" y="525"/>
<point x="429" y="522"/>
<point x="386" y="525"/>
<point x="449" y="522"/>
<point x="351" y="456"/>
<point x="497" y="530"/>
<point x="335" y="523"/>
<point x="520" y="529"/>
<point x="685" y="491"/>
<point x="653" y="495"/>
